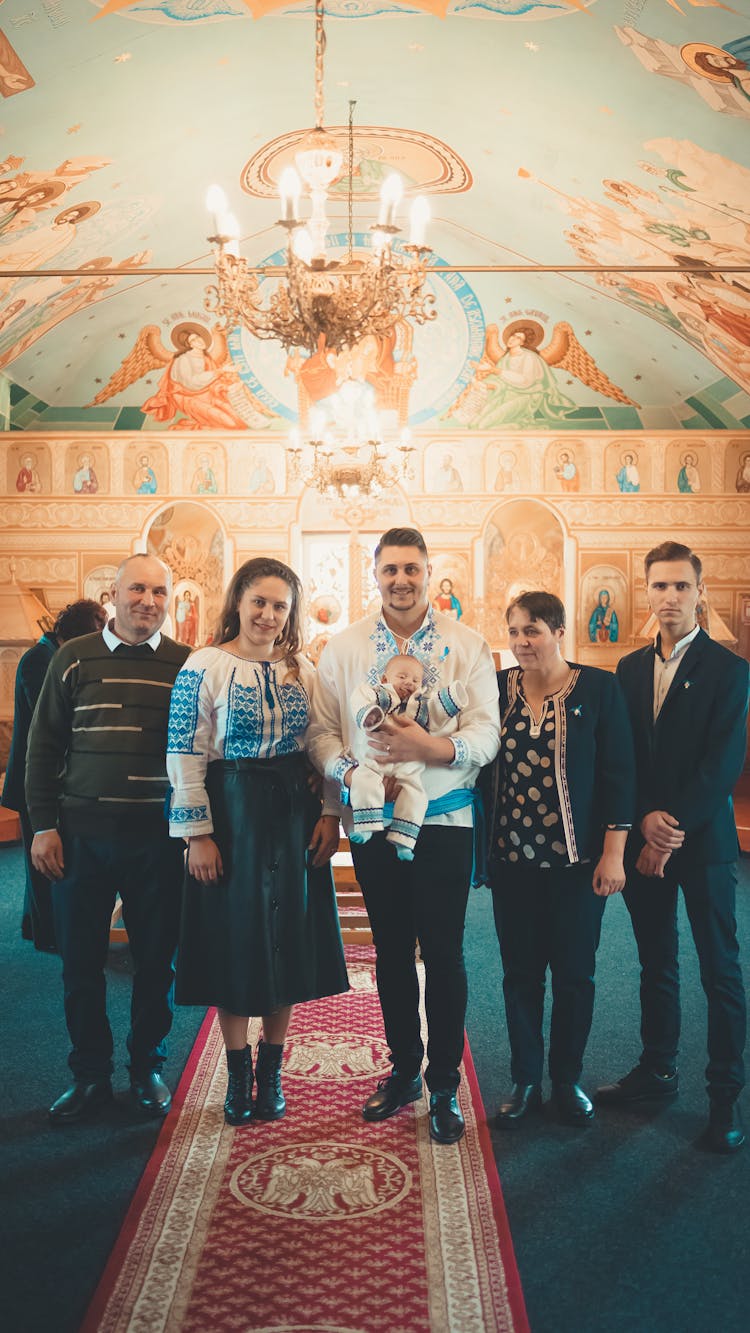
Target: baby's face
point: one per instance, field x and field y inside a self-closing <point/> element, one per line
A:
<point x="405" y="674"/>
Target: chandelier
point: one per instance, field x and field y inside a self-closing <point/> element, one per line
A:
<point x="348" y="457"/>
<point x="320" y="301"/>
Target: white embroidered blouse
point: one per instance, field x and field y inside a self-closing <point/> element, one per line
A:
<point x="226" y="707"/>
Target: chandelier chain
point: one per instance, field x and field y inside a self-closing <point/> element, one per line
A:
<point x="320" y="46"/>
<point x="350" y="191"/>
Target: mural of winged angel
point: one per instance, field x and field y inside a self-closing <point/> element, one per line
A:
<point x="514" y="383"/>
<point x="199" y="381"/>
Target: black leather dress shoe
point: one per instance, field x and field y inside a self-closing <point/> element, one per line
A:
<point x="524" y="1097"/>
<point x="640" y="1085"/>
<point x="573" y="1106"/>
<point x="446" y="1122"/>
<point x="79" y="1101"/>
<point x="725" y="1132"/>
<point x="390" y="1095"/>
<point x="150" y="1095"/>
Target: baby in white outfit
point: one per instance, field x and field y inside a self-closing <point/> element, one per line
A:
<point x="399" y="694"/>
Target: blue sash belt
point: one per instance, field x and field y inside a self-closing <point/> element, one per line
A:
<point x="458" y="799"/>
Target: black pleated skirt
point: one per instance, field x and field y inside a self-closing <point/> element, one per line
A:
<point x="267" y="934"/>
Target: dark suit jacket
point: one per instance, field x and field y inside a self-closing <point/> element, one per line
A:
<point x="688" y="761"/>
<point x="30" y="674"/>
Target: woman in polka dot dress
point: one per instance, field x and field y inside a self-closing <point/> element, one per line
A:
<point x="564" y="800"/>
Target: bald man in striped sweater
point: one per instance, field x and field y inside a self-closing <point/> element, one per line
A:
<point x="96" y="786"/>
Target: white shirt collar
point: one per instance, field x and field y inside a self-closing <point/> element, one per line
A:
<point x="113" y="640"/>
<point x="679" y="646"/>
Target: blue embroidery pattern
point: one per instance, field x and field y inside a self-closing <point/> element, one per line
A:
<point x="406" y="827"/>
<point x="295" y="713"/>
<point x="462" y="752"/>
<point x="244" y="736"/>
<point x="447" y="701"/>
<point x="183" y="712"/>
<point x="189" y="814"/>
<point x="424" y="645"/>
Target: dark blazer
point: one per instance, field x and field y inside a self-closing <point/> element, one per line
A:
<point x="30" y="674"/>
<point x="596" y="782"/>
<point x="688" y="761"/>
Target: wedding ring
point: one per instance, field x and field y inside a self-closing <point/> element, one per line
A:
<point x="388" y="749"/>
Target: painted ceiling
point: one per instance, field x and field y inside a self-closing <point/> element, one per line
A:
<point x="576" y="132"/>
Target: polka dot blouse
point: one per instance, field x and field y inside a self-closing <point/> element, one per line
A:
<point x="528" y="826"/>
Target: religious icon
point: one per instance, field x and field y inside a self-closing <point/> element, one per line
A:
<point x="85" y="481"/>
<point x="186" y="618"/>
<point x="448" y="480"/>
<point x="566" y="471"/>
<point x="742" y="480"/>
<point x="144" y="479"/>
<point x="28" y="478"/>
<point x="628" y="477"/>
<point x="446" y="600"/>
<point x="204" y="478"/>
<point x="603" y="623"/>
<point x="688" y="477"/>
<point x="507" y="477"/>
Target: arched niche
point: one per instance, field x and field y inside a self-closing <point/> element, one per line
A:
<point x="97" y="583"/>
<point x="523" y="549"/>
<point x="190" y="538"/>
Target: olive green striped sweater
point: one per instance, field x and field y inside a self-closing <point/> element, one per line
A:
<point x="97" y="743"/>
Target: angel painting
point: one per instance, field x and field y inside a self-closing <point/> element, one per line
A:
<point x="514" y="384"/>
<point x="199" y="387"/>
<point x="718" y="74"/>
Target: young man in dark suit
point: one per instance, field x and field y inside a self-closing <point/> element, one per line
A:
<point x="688" y="699"/>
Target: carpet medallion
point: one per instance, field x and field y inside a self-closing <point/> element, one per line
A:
<point x="319" y="1221"/>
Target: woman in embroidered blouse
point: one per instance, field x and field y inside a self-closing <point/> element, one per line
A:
<point x="259" y="930"/>
<point x="565" y="794"/>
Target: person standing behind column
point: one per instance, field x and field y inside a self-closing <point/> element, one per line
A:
<point x="96" y="786"/>
<point x="688" y="700"/>
<point x="424" y="898"/>
<point x="81" y="617"/>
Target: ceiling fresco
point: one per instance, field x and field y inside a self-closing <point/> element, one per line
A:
<point x="609" y="133"/>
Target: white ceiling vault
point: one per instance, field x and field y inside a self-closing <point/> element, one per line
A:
<point x="572" y="133"/>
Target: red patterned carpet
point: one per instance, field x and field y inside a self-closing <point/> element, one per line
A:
<point x="318" y="1221"/>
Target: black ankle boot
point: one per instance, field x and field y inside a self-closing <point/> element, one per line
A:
<point x="269" y="1104"/>
<point x="238" y="1107"/>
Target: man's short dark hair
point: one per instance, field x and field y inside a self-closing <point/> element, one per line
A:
<point x="540" y="606"/>
<point x="401" y="537"/>
<point x="82" y="617"/>
<point x="673" y="551"/>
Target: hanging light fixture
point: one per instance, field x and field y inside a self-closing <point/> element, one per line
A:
<point x="318" y="298"/>
<point x="348" y="456"/>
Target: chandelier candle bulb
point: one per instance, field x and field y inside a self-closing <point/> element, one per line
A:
<point x="290" y="188"/>
<point x="418" y="219"/>
<point x="217" y="205"/>
<point x="230" y="234"/>
<point x="390" y="198"/>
